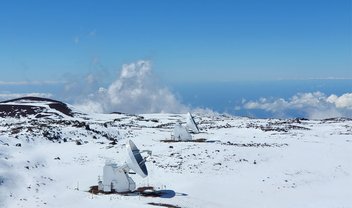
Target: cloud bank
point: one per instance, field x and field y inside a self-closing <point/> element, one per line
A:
<point x="316" y="105"/>
<point x="135" y="90"/>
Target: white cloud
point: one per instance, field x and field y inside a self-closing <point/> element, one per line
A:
<point x="134" y="91"/>
<point x="344" y="101"/>
<point x="314" y="105"/>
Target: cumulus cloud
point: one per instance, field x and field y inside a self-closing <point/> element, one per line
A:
<point x="134" y="91"/>
<point x="9" y="96"/>
<point x="344" y="101"/>
<point x="316" y="105"/>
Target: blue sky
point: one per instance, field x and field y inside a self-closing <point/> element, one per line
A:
<point x="185" y="40"/>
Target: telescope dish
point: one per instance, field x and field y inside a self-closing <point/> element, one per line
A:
<point x="180" y="133"/>
<point x="135" y="160"/>
<point x="191" y="124"/>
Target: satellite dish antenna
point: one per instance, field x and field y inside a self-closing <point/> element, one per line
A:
<point x="135" y="160"/>
<point x="116" y="178"/>
<point x="180" y="133"/>
<point x="191" y="124"/>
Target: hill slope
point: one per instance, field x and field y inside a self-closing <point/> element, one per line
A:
<point x="52" y="160"/>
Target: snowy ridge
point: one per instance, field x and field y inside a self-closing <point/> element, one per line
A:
<point x="52" y="160"/>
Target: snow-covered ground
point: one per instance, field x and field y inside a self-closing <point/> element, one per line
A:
<point x="243" y="163"/>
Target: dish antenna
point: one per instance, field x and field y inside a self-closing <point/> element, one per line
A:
<point x="116" y="178"/>
<point x="191" y="124"/>
<point x="180" y="133"/>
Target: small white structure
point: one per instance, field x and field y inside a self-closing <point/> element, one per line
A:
<point x="180" y="133"/>
<point x="191" y="124"/>
<point x="115" y="177"/>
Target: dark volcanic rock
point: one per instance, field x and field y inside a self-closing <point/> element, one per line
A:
<point x="16" y="111"/>
<point x="62" y="107"/>
<point x="336" y="120"/>
<point x="25" y="106"/>
<point x="32" y="118"/>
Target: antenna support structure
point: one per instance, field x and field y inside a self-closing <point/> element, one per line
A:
<point x="116" y="178"/>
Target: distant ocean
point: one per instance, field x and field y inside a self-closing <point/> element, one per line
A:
<point x="223" y="97"/>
